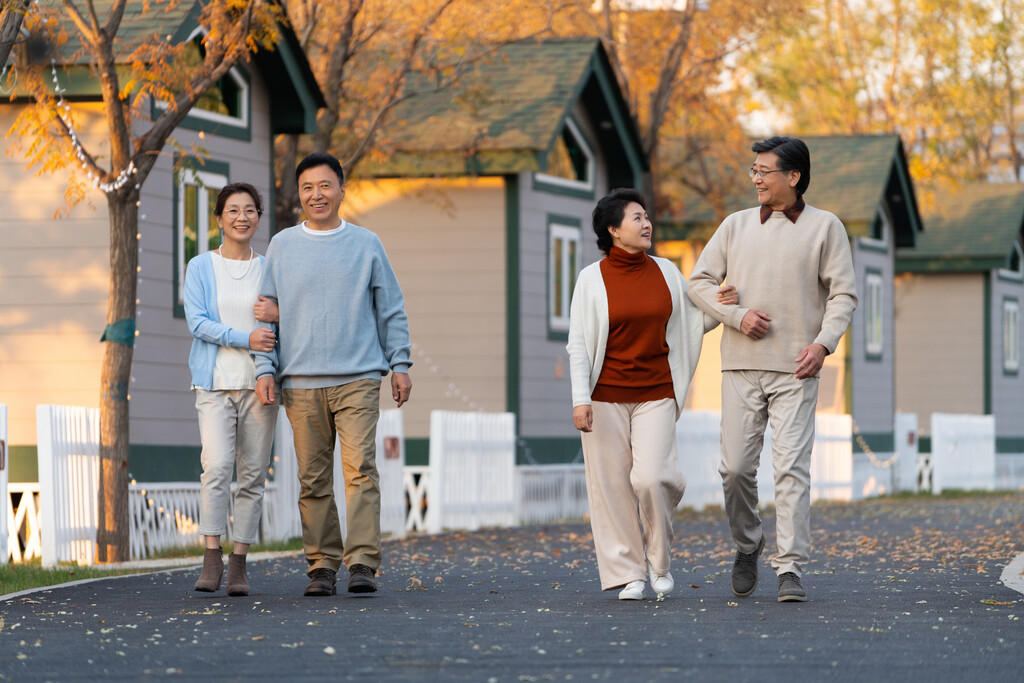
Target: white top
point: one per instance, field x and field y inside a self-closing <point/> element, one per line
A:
<point x="234" y="368"/>
<point x="588" y="332"/>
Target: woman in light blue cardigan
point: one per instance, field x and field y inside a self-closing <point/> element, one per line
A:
<point x="221" y="290"/>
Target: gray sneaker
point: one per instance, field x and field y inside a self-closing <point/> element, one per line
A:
<point x="744" y="571"/>
<point x="790" y="589"/>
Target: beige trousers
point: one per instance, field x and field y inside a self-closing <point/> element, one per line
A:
<point x="350" y="412"/>
<point x="750" y="399"/>
<point x="633" y="486"/>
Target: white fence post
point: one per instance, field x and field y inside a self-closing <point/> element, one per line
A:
<point x="4" y="550"/>
<point x="391" y="467"/>
<point x="699" y="448"/>
<point x="963" y="452"/>
<point x="68" y="445"/>
<point x="282" y="502"/>
<point x="472" y="470"/>
<point x="905" y="474"/>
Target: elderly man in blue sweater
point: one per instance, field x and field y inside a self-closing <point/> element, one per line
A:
<point x="342" y="328"/>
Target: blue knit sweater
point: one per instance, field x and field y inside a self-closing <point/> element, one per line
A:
<point x="342" y="312"/>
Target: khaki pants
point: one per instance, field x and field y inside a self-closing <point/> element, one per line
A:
<point x="350" y="412"/>
<point x="750" y="398"/>
<point x="633" y="485"/>
<point x="236" y="432"/>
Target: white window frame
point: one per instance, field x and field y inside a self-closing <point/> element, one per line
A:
<point x="874" y="321"/>
<point x="195" y="112"/>
<point x="1011" y="335"/>
<point x="205" y="180"/>
<point x="566" y="234"/>
<point x="568" y="182"/>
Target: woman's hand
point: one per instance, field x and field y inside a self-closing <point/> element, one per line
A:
<point x="266" y="310"/>
<point x="728" y="296"/>
<point x="262" y="339"/>
<point x="583" y="418"/>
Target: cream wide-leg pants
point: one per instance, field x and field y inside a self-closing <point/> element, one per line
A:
<point x="633" y="486"/>
<point x="750" y="399"/>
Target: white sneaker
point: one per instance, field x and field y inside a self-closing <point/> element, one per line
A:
<point x="662" y="585"/>
<point x="634" y="590"/>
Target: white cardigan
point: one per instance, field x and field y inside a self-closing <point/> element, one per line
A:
<point x="588" y="332"/>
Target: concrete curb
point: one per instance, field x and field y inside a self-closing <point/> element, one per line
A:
<point x="147" y="567"/>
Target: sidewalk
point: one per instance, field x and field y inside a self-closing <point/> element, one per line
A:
<point x="897" y="589"/>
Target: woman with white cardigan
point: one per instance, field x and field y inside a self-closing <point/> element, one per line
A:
<point x="634" y="340"/>
<point x="237" y="432"/>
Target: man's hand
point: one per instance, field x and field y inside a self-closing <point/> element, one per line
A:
<point x="265" y="390"/>
<point x="401" y="386"/>
<point x="266" y="310"/>
<point x="810" y="360"/>
<point x="728" y="296"/>
<point x="755" y="324"/>
<point x="262" y="339"/>
<point x="583" y="418"/>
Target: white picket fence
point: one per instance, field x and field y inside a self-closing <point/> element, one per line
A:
<point x="5" y="505"/>
<point x="472" y="470"/>
<point x="963" y="452"/>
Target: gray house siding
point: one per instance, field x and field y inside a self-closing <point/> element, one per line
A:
<point x="873" y="374"/>
<point x="545" y="396"/>
<point x="163" y="420"/>
<point x="1006" y="384"/>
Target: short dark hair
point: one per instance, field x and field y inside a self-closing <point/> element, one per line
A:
<point x="610" y="211"/>
<point x="235" y="188"/>
<point x="320" y="159"/>
<point x="793" y="156"/>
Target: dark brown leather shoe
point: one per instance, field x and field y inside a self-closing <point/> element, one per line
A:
<point x="238" y="580"/>
<point x="322" y="582"/>
<point x="213" y="570"/>
<point x="361" y="579"/>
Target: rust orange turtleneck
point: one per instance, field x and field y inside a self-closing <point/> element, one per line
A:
<point x="635" y="365"/>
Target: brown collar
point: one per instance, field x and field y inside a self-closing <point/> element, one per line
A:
<point x="792" y="212"/>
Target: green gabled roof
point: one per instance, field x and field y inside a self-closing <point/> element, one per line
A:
<point x="505" y="113"/>
<point x="296" y="97"/>
<point x="850" y="175"/>
<point x="969" y="230"/>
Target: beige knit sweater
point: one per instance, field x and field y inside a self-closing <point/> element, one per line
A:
<point x="800" y="274"/>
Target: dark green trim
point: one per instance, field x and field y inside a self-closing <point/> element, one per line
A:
<point x="1002" y="326"/>
<point x="512" y="296"/>
<point x="868" y="356"/>
<point x="224" y="129"/>
<point x="22" y="464"/>
<point x="285" y="116"/>
<point x="559" y="450"/>
<point x="153" y="463"/>
<point x="924" y="444"/>
<point x="943" y="264"/>
<point x="880" y="442"/>
<point x="1006" y="275"/>
<point x="987" y="340"/>
<point x="1010" y="444"/>
<point x="208" y="165"/>
<point x="560" y="190"/>
<point x="541" y="185"/>
<point x="623" y="128"/>
<point x="570" y="222"/>
<point x="417" y="452"/>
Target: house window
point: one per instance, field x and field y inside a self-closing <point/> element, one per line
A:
<point x="570" y="163"/>
<point x="197" y="228"/>
<point x="563" y="268"/>
<point x="873" y="314"/>
<point x="1011" y="336"/>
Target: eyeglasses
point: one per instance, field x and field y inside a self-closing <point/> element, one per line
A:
<point x="233" y="214"/>
<point x="753" y="172"/>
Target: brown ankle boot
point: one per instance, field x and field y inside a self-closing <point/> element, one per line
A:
<point x="213" y="569"/>
<point x="238" y="581"/>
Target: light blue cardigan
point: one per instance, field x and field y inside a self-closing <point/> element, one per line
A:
<point x="203" y="320"/>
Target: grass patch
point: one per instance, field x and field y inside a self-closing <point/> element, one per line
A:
<point x="25" y="575"/>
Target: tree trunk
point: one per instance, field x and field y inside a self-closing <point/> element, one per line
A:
<point x="11" y="14"/>
<point x="286" y="199"/>
<point x="112" y="537"/>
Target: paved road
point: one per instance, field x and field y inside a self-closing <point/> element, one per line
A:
<point x="898" y="590"/>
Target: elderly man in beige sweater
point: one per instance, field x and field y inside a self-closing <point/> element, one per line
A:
<point x="792" y="265"/>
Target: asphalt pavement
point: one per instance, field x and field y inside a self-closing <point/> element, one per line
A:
<point x="898" y="589"/>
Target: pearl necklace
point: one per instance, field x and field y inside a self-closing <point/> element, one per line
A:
<point x="227" y="270"/>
